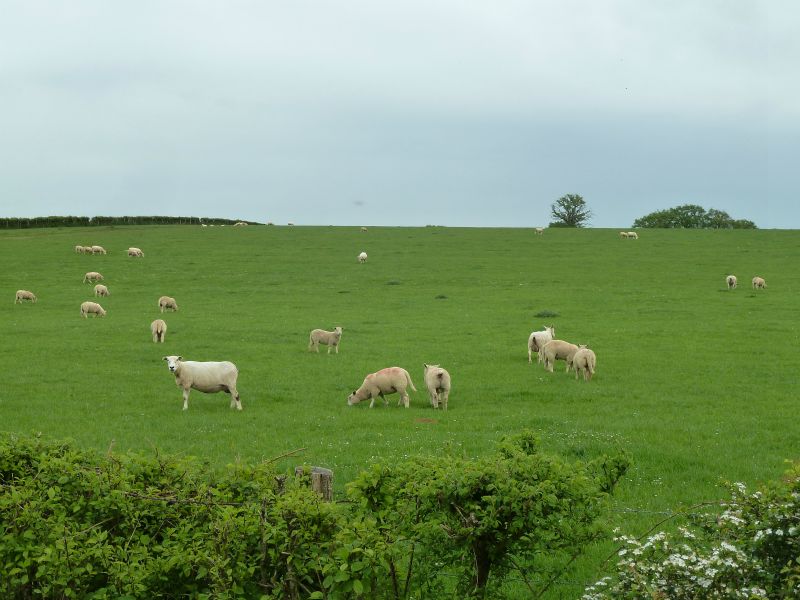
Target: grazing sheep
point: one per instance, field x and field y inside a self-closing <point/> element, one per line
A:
<point x="584" y="361"/>
<point x="538" y="339"/>
<point x="558" y="350"/>
<point x="92" y="276"/>
<point x="330" y="338"/>
<point x="362" y="258"/>
<point x="98" y="250"/>
<point x="159" y="330"/>
<point x="240" y="224"/>
<point x="93" y="308"/>
<point x="135" y="252"/>
<point x="759" y="283"/>
<point x="87" y="249"/>
<point x="731" y="281"/>
<point x="206" y="377"/>
<point x="166" y="302"/>
<point x="101" y="290"/>
<point x="623" y="235"/>
<point x="363" y="229"/>
<point x="24" y="295"/>
<point x="79" y="249"/>
<point x="538" y="230"/>
<point x="632" y="235"/>
<point x="437" y="380"/>
<point x="385" y="381"/>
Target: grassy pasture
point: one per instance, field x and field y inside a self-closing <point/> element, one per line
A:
<point x="697" y="383"/>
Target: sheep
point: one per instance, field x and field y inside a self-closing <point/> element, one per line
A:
<point x="87" y="249"/>
<point x="239" y="224"/>
<point x="98" y="250"/>
<point x="584" y="361"/>
<point x="135" y="252"/>
<point x="159" y="330"/>
<point x="166" y="302"/>
<point x="437" y="380"/>
<point x="558" y="350"/>
<point x="538" y="230"/>
<point x="206" y="377"/>
<point x="362" y="258"/>
<point x="623" y="235"/>
<point x="731" y="281"/>
<point x="329" y="338"/>
<point x="101" y="290"/>
<point x="385" y="381"/>
<point x="632" y="235"/>
<point x="93" y="308"/>
<point x="92" y="277"/>
<point x="24" y="295"/>
<point x="759" y="283"/>
<point x="79" y="249"/>
<point x="363" y="230"/>
<point x="538" y="339"/>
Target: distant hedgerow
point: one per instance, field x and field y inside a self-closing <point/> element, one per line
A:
<point x="546" y="314"/>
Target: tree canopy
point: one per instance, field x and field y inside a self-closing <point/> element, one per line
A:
<point x="570" y="211"/>
<point x="692" y="216"/>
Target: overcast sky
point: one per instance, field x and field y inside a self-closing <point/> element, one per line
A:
<point x="451" y="112"/>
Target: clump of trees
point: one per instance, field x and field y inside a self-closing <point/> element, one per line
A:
<point x="570" y="211"/>
<point x="692" y="216"/>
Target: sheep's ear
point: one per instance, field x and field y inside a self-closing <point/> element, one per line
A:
<point x="425" y="365"/>
<point x="180" y="358"/>
<point x="163" y="358"/>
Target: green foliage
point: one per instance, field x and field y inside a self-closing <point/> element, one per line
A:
<point x="546" y="314"/>
<point x="692" y="216"/>
<point x="570" y="211"/>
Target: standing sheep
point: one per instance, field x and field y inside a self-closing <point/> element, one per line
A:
<point x="93" y="308"/>
<point x="101" y="290"/>
<point x="385" y="381"/>
<point x="135" y="252"/>
<point x="538" y="339"/>
<point x="98" y="250"/>
<point x="584" y="361"/>
<point x="363" y="230"/>
<point x="206" y="377"/>
<point x="78" y="249"/>
<point x="362" y="258"/>
<point x="166" y="302"/>
<point x="92" y="277"/>
<point x="559" y="350"/>
<point x="632" y="235"/>
<point x="329" y="338"/>
<point x="159" y="330"/>
<point x="538" y="230"/>
<point x="24" y="295"/>
<point x="623" y="235"/>
<point x="759" y="283"/>
<point x="731" y="281"/>
<point x="437" y="380"/>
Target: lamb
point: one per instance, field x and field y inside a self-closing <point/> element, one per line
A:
<point x="329" y="338"/>
<point x="101" y="290"/>
<point x="93" y="308"/>
<point x="159" y="330"/>
<point x="362" y="258"/>
<point x="437" y="380"/>
<point x="584" y="361"/>
<point x="92" y="276"/>
<point x="166" y="302"/>
<point x="632" y="235"/>
<point x="759" y="283"/>
<point x="135" y="252"/>
<point x="559" y="350"/>
<point x="539" y="230"/>
<point x="538" y="339"/>
<point x="731" y="281"/>
<point x="98" y="250"/>
<point x="24" y="295"/>
<point x="206" y="377"/>
<point x="385" y="381"/>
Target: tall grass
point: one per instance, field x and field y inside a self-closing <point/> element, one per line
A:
<point x="697" y="383"/>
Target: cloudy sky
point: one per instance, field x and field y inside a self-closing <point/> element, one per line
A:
<point x="452" y="112"/>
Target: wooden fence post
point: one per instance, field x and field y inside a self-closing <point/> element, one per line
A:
<point x="321" y="481"/>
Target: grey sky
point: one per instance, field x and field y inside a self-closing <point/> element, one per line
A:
<point x="418" y="112"/>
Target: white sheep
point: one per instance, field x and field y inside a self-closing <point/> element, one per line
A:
<point x="363" y="230"/>
<point x="159" y="330"/>
<point x="759" y="283"/>
<point x="437" y="380"/>
<point x="632" y="235"/>
<point x="731" y="281"/>
<point x="537" y="340"/>
<point x="240" y="224"/>
<point x="166" y="302"/>
<point x="584" y="361"/>
<point x="329" y="338"/>
<point x="78" y="249"/>
<point x="362" y="258"/>
<point x="98" y="250"/>
<point x="101" y="290"/>
<point x="135" y="252"/>
<point x="92" y="308"/>
<point x="623" y="235"/>
<point x="24" y="295"/>
<point x="92" y="277"/>
<point x="539" y="230"/>
<point x="87" y="250"/>
<point x="206" y="377"/>
<point x="385" y="381"/>
<point x="558" y="350"/>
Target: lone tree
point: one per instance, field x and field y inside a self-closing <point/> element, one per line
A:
<point x="570" y="210"/>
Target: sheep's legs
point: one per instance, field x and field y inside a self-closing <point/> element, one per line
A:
<point x="185" y="398"/>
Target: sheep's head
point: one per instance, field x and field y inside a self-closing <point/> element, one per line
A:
<point x="353" y="399"/>
<point x="172" y="362"/>
<point x="338" y="330"/>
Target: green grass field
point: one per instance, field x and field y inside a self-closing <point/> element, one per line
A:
<point x="697" y="383"/>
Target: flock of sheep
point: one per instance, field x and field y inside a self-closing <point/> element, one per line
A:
<point x="549" y="350"/>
